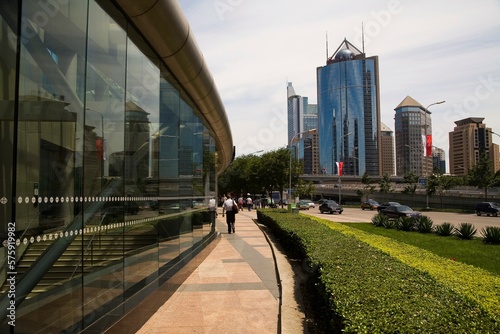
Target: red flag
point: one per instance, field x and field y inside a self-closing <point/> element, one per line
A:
<point x="340" y="167"/>
<point x="428" y="145"/>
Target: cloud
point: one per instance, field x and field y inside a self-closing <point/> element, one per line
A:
<point x="431" y="50"/>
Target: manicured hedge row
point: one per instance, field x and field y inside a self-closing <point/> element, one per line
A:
<point x="366" y="290"/>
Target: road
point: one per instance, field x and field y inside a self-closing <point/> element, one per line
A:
<point x="356" y="215"/>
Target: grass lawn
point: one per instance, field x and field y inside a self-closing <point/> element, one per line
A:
<point x="473" y="252"/>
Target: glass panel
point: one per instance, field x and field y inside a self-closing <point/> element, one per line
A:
<point x="8" y="61"/>
<point x="103" y="246"/>
<point x="168" y="175"/>
<point x="141" y="124"/>
<point x="51" y="136"/>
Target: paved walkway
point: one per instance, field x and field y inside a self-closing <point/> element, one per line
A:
<point x="233" y="290"/>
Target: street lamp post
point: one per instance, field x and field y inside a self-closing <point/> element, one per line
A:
<point x="427" y="112"/>
<point x="290" y="168"/>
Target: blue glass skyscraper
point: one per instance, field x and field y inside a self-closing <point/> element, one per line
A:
<point x="349" y="112"/>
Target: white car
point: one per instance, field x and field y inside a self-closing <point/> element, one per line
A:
<point x="311" y="203"/>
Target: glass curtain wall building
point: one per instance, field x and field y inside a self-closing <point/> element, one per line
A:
<point x="349" y="112"/>
<point x="113" y="134"/>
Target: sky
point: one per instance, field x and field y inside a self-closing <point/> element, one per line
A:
<point x="431" y="50"/>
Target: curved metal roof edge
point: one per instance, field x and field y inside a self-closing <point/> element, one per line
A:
<point x="153" y="26"/>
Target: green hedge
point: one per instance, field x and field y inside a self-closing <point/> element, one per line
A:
<point x="366" y="290"/>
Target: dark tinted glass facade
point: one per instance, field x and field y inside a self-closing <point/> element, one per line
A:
<point x="348" y="116"/>
<point x="106" y="167"/>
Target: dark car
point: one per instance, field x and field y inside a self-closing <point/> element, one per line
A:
<point x="396" y="211"/>
<point x="330" y="206"/>
<point x="321" y="201"/>
<point x="369" y="204"/>
<point x="384" y="205"/>
<point x="488" y="208"/>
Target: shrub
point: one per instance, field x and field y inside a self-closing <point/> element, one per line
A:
<point x="379" y="220"/>
<point x="390" y="223"/>
<point x="491" y="235"/>
<point x="444" y="229"/>
<point x="405" y="223"/>
<point x="465" y="231"/>
<point x="424" y="224"/>
<point x="363" y="289"/>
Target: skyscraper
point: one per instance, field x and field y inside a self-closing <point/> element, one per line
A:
<point x="296" y="105"/>
<point x="438" y="159"/>
<point x="412" y="122"/>
<point x="302" y="117"/>
<point x="349" y="112"/>
<point x="469" y="140"/>
<point x="387" y="150"/>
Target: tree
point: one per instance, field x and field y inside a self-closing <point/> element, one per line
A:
<point x="482" y="176"/>
<point x="385" y="185"/>
<point x="368" y="189"/>
<point x="440" y="184"/>
<point x="305" y="188"/>
<point x="411" y="180"/>
<point x="275" y="170"/>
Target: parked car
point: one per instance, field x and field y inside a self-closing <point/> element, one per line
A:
<point x="302" y="205"/>
<point x="330" y="206"/>
<point x="384" y="205"/>
<point x="369" y="204"/>
<point x="396" y="211"/>
<point x="489" y="208"/>
<point x="311" y="203"/>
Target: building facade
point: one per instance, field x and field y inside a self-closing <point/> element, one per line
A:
<point x="296" y="105"/>
<point x="411" y="123"/>
<point x="113" y="134"/>
<point x="349" y="112"/>
<point x="302" y="117"/>
<point x="387" y="150"/>
<point x="438" y="160"/>
<point x="469" y="140"/>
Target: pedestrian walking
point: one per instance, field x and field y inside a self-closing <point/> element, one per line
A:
<point x="212" y="210"/>
<point x="249" y="203"/>
<point x="231" y="209"/>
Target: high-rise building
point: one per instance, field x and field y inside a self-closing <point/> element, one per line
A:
<point x="438" y="159"/>
<point x="412" y="123"/>
<point x="302" y="117"/>
<point x="349" y="112"/>
<point x="387" y="162"/>
<point x="296" y="105"/>
<point x="469" y="140"/>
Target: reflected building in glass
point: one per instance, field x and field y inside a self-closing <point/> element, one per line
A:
<point x="113" y="134"/>
<point x="349" y="112"/>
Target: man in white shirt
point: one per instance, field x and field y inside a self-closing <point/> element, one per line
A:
<point x="212" y="210"/>
<point x="249" y="203"/>
<point x="230" y="206"/>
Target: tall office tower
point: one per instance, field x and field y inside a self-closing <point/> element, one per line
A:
<point x="296" y="106"/>
<point x="302" y="117"/>
<point x="387" y="162"/>
<point x="469" y="140"/>
<point x="438" y="159"/>
<point x="349" y="112"/>
<point x="412" y="123"/>
<point x="311" y="162"/>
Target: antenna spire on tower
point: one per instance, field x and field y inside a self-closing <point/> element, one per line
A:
<point x="327" y="46"/>
<point x="362" y="37"/>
